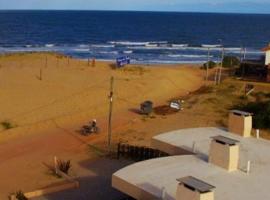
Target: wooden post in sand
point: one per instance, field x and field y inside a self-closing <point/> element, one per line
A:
<point x="110" y="114"/>
<point x="216" y="72"/>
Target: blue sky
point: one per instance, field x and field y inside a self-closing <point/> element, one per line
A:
<point x="239" y="6"/>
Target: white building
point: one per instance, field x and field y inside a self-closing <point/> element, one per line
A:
<point x="267" y="55"/>
<point x="205" y="164"/>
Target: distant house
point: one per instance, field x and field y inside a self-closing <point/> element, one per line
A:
<point x="267" y="61"/>
<point x="267" y="55"/>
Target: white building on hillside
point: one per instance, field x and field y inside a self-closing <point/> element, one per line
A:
<point x="267" y="55"/>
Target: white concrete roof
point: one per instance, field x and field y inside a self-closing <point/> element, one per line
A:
<point x="153" y="175"/>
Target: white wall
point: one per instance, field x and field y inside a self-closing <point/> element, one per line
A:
<point x="267" y="58"/>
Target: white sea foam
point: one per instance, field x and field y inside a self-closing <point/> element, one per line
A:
<point x="211" y="45"/>
<point x="151" y="45"/>
<point x="187" y="56"/>
<point x="83" y="45"/>
<point x="108" y="52"/>
<point x="254" y="52"/>
<point x="102" y="46"/>
<point x="82" y="50"/>
<point x="158" y="42"/>
<point x="128" y="43"/>
<point x="179" y="45"/>
<point x="49" y="45"/>
<point x="169" y="62"/>
<point x="128" y="52"/>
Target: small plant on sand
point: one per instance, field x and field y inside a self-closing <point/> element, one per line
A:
<point x="20" y="196"/>
<point x="7" y="125"/>
<point x="64" y="166"/>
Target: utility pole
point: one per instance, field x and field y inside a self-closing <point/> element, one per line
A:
<point x="110" y="113"/>
<point x="208" y="62"/>
<point x="216" y="73"/>
<point x="221" y="65"/>
<point x="241" y="54"/>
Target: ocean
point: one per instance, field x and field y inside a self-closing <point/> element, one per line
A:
<point x="146" y="37"/>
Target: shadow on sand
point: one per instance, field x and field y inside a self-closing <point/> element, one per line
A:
<point x="95" y="182"/>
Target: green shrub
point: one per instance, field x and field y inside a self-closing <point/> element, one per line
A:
<point x="7" y="125"/>
<point x="211" y="64"/>
<point x="20" y="196"/>
<point x="231" y="61"/>
<point x="64" y="166"/>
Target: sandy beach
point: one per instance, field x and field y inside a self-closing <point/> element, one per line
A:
<point x="46" y="98"/>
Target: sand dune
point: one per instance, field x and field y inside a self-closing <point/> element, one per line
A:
<point x="48" y="112"/>
<point x="75" y="89"/>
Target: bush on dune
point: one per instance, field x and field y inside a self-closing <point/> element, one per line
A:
<point x="210" y="64"/>
<point x="7" y="125"/>
<point x="20" y="196"/>
<point x="231" y="61"/>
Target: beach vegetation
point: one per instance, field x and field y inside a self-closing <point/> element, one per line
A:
<point x="210" y="64"/>
<point x="7" y="125"/>
<point x="64" y="166"/>
<point x="231" y="61"/>
<point x="20" y="195"/>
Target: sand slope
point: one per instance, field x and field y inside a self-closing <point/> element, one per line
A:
<point x="76" y="89"/>
<point x="48" y="112"/>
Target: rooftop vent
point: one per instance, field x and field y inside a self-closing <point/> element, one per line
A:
<point x="194" y="189"/>
<point x="240" y="123"/>
<point x="224" y="140"/>
<point x="224" y="152"/>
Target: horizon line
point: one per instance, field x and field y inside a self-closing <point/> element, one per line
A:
<point x="162" y="11"/>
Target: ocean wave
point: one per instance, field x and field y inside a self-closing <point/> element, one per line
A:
<point x="254" y="52"/>
<point x="158" y="42"/>
<point x="83" y="46"/>
<point x="179" y="45"/>
<point x="211" y="45"/>
<point x="102" y="46"/>
<point x="81" y="50"/>
<point x="150" y="45"/>
<point x="49" y="45"/>
<point x="157" y="61"/>
<point x="108" y="52"/>
<point x="187" y="56"/>
<point x="155" y="47"/>
<point x="128" y="52"/>
<point x="128" y="43"/>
